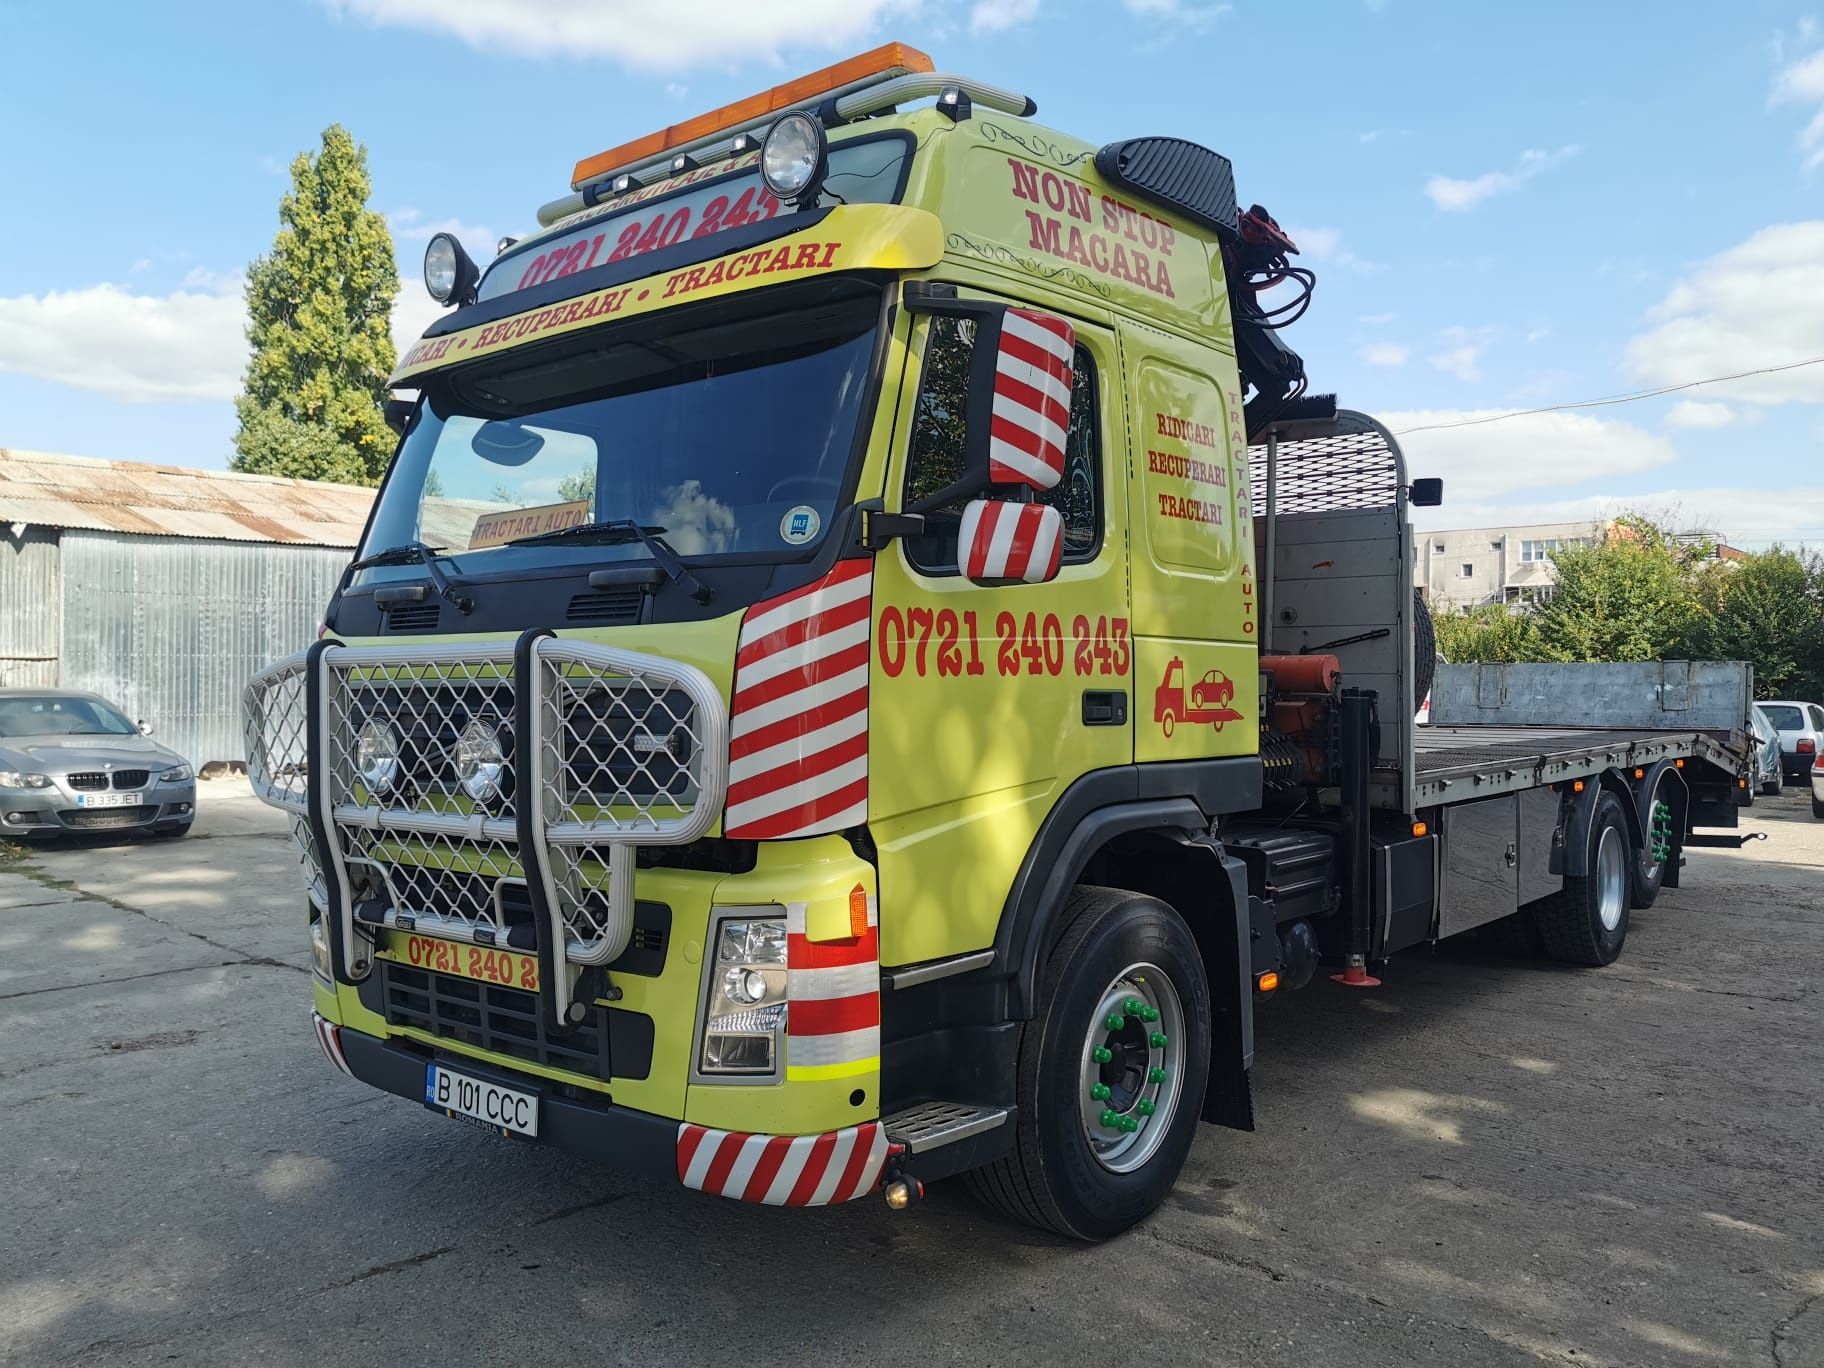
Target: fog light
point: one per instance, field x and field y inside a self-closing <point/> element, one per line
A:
<point x="377" y="758"/>
<point x="449" y="275"/>
<point x="481" y="763"/>
<point x="319" y="951"/>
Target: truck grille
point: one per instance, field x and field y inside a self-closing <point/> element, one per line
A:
<point x="506" y="1021"/>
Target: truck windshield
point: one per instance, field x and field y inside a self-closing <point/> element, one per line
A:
<point x="730" y="428"/>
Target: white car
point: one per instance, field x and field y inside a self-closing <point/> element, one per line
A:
<point x="1817" y="789"/>
<point x="1801" y="729"/>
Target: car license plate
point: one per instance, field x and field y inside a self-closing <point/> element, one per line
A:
<point x="104" y="800"/>
<point x="503" y="1109"/>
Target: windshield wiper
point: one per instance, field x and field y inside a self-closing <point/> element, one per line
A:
<point x="612" y="531"/>
<point x="417" y="553"/>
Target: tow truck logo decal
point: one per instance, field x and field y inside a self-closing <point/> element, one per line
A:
<point x="798" y="735"/>
<point x="1207" y="700"/>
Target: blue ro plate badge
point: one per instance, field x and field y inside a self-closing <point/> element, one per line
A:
<point x="506" y="1110"/>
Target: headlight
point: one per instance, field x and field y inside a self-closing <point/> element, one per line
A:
<point x="793" y="156"/>
<point x="319" y="950"/>
<point x="744" y="1020"/>
<point x="377" y="758"/>
<point x="178" y="774"/>
<point x="481" y="764"/>
<point x="14" y="779"/>
<point x="449" y="275"/>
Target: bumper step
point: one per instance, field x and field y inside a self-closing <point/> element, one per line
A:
<point x="932" y="1125"/>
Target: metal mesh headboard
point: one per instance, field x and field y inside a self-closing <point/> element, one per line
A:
<point x="1355" y="464"/>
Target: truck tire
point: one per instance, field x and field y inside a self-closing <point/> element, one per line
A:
<point x="1424" y="649"/>
<point x="1650" y="874"/>
<point x="1586" y="922"/>
<point x="1108" y="1097"/>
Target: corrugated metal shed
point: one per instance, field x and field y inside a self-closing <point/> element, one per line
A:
<point x="30" y="620"/>
<point x="42" y="490"/>
<point x="171" y="629"/>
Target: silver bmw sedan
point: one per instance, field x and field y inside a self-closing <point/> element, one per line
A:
<point x="71" y="761"/>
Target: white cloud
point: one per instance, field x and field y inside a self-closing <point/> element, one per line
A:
<point x="1690" y="413"/>
<point x="1325" y="246"/>
<point x="656" y="35"/>
<point x="1492" y="462"/>
<point x="413" y="311"/>
<point x="1196" y="18"/>
<point x="1375" y="318"/>
<point x="145" y="349"/>
<point x="1748" y="518"/>
<point x="1462" y="362"/>
<point x="1801" y="82"/>
<point x="1759" y="304"/>
<point x="995" y="16"/>
<point x="1459" y="196"/>
<point x="1385" y="354"/>
<point x="675" y="90"/>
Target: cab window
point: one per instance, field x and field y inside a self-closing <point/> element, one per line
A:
<point x="939" y="429"/>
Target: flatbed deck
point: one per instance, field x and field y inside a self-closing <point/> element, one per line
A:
<point x="1455" y="764"/>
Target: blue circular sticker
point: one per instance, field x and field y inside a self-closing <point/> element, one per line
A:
<point x="800" y="525"/>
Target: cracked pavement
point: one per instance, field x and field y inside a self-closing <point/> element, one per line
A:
<point x="1490" y="1160"/>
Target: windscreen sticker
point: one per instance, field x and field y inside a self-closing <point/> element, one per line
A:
<point x="497" y="529"/>
<point x="800" y="525"/>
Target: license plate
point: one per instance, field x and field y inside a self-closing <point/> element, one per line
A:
<point x="101" y="800"/>
<point x="505" y="967"/>
<point x="507" y="1110"/>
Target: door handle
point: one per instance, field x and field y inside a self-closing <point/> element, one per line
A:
<point x="1104" y="708"/>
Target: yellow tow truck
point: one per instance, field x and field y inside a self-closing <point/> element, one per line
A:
<point x="730" y="753"/>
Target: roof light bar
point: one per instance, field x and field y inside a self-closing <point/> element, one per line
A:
<point x="883" y="63"/>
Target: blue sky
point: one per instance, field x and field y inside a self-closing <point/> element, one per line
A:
<point x="1508" y="206"/>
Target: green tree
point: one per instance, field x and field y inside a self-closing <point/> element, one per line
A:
<point x="319" y="307"/>
<point x="1491" y="632"/>
<point x="1767" y="609"/>
<point x="1627" y="598"/>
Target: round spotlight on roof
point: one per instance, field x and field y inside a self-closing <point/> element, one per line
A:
<point x="449" y="275"/>
<point x="794" y="158"/>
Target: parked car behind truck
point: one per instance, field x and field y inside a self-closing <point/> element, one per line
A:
<point x="71" y="761"/>
<point x="1801" y="729"/>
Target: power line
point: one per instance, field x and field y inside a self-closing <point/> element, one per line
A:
<point x="1614" y="398"/>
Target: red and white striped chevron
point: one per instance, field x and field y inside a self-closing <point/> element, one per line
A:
<point x="1010" y="541"/>
<point x="329" y="1037"/>
<point x="832" y="1015"/>
<point x="783" y="1170"/>
<point x="798" y="725"/>
<point x="1031" y="414"/>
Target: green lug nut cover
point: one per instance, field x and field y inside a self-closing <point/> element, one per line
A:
<point x="1145" y="1106"/>
<point x="1114" y="1021"/>
<point x="1130" y="1124"/>
<point x="1102" y="1054"/>
<point x="1099" y="1091"/>
<point x="1134" y="1007"/>
<point x="1110" y="1118"/>
<point x="1155" y="1075"/>
<point x="1150" y="1014"/>
<point x="1157" y="1040"/>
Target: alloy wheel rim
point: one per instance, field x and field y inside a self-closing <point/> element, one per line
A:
<point x="1129" y="1074"/>
<point x="1611" y="878"/>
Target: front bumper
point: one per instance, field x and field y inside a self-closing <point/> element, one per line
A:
<point x="55" y="811"/>
<point x="1817" y="786"/>
<point x="772" y="1170"/>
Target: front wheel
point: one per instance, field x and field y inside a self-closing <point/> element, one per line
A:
<point x="1771" y="788"/>
<point x="1112" y="1071"/>
<point x="1586" y="921"/>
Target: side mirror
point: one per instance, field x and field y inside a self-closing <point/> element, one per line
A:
<point x="1020" y="543"/>
<point x="1015" y="410"/>
<point x="397" y="413"/>
<point x="1428" y="493"/>
<point x="145" y="727"/>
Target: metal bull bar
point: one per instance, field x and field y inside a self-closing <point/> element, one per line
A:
<point x="605" y="750"/>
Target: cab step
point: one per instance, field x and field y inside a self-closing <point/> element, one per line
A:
<point x="932" y="1125"/>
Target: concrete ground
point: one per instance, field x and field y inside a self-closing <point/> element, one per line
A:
<point x="1487" y="1161"/>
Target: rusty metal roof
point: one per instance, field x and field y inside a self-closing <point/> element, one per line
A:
<point x="45" y="490"/>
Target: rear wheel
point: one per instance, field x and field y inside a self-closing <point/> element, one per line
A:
<point x="1771" y="787"/>
<point x="1586" y="922"/>
<point x="1112" y="1071"/>
<point x="1817" y="806"/>
<point x="1649" y="873"/>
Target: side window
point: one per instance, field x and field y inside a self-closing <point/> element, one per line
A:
<point x="1817" y="717"/>
<point x="939" y="427"/>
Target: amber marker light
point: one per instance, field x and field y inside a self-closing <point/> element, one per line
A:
<point x="1267" y="982"/>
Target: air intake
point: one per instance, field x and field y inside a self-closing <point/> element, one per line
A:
<point x="611" y="606"/>
<point x="1191" y="180"/>
<point x="413" y="617"/>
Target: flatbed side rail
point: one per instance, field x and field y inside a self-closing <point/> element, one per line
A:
<point x="1458" y="764"/>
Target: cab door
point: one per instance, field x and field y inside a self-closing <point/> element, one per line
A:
<point x="987" y="701"/>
